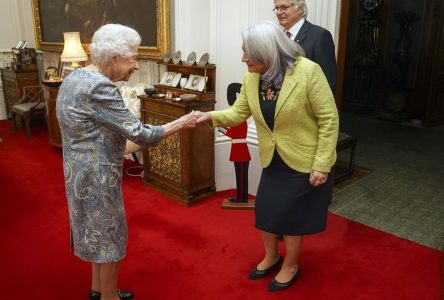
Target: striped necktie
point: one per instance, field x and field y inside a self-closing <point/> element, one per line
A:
<point x="288" y="33"/>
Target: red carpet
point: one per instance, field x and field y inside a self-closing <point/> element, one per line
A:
<point x="175" y="252"/>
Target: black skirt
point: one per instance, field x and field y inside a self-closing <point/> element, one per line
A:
<point x="286" y="202"/>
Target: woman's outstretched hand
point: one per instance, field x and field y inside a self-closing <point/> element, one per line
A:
<point x="189" y="120"/>
<point x="203" y="117"/>
<point x="184" y="122"/>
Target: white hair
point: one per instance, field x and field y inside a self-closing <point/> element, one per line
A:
<point x="111" y="40"/>
<point x="300" y="3"/>
<point x="267" y="43"/>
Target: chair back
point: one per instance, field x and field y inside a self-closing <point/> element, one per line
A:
<point x="233" y="90"/>
<point x="31" y="103"/>
<point x="32" y="94"/>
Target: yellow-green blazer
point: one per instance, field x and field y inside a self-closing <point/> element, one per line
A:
<point x="306" y="118"/>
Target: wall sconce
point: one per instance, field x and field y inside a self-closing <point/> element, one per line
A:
<point x="73" y="51"/>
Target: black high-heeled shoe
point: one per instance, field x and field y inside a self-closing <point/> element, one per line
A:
<point x="259" y="274"/>
<point x="275" y="285"/>
<point x="123" y="295"/>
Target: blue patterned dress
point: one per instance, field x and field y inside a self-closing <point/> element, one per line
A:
<point x="95" y="125"/>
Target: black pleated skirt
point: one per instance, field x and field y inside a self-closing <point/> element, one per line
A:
<point x="287" y="204"/>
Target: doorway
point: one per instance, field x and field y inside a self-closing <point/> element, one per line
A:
<point x="391" y="60"/>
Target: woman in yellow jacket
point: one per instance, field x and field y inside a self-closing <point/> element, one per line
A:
<point x="297" y="127"/>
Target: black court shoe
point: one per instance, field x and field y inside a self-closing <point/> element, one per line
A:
<point x="259" y="274"/>
<point x="275" y="285"/>
<point x="123" y="295"/>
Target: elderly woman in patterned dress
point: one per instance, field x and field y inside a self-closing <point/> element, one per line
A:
<point x="95" y="125"/>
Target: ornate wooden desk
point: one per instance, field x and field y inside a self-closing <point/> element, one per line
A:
<point x="182" y="165"/>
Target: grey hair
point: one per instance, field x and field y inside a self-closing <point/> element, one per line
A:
<point x="267" y="43"/>
<point x="111" y="40"/>
<point x="301" y="3"/>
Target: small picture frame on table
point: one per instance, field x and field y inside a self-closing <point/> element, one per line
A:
<point x="66" y="70"/>
<point x="169" y="95"/>
<point x="21" y="44"/>
<point x="170" y="79"/>
<point x="196" y="83"/>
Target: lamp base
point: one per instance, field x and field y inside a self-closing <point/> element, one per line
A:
<point x="75" y="64"/>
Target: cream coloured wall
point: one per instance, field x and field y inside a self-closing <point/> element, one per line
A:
<point x="14" y="27"/>
<point x="215" y="26"/>
<point x="16" y="23"/>
<point x="212" y="26"/>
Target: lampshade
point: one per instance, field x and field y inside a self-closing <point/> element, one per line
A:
<point x="73" y="51"/>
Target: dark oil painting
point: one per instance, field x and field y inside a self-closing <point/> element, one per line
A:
<point x="86" y="16"/>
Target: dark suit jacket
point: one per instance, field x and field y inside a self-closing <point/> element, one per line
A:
<point x="319" y="47"/>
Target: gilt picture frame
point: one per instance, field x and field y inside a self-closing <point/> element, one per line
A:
<point x="148" y="17"/>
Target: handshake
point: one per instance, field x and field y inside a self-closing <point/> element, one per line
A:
<point x="193" y="118"/>
<point x="187" y="121"/>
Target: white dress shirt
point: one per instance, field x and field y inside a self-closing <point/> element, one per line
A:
<point x="295" y="29"/>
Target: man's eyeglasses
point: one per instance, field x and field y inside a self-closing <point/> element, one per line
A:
<point x="282" y="8"/>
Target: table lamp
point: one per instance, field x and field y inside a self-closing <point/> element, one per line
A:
<point x="73" y="51"/>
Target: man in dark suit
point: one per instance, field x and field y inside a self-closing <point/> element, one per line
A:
<point x="316" y="41"/>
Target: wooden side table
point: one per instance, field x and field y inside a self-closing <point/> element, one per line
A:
<point x="51" y="92"/>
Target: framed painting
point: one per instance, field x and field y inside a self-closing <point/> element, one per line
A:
<point x="149" y="17"/>
<point x="196" y="83"/>
<point x="170" y="79"/>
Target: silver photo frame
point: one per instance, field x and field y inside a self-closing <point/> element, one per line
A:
<point x="193" y="82"/>
<point x="170" y="79"/>
<point x="21" y="44"/>
<point x="196" y="83"/>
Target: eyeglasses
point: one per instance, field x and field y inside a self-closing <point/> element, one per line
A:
<point x="282" y="8"/>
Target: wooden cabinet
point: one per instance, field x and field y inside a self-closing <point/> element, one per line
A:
<point x="182" y="165"/>
<point x="55" y="138"/>
<point x="13" y="82"/>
